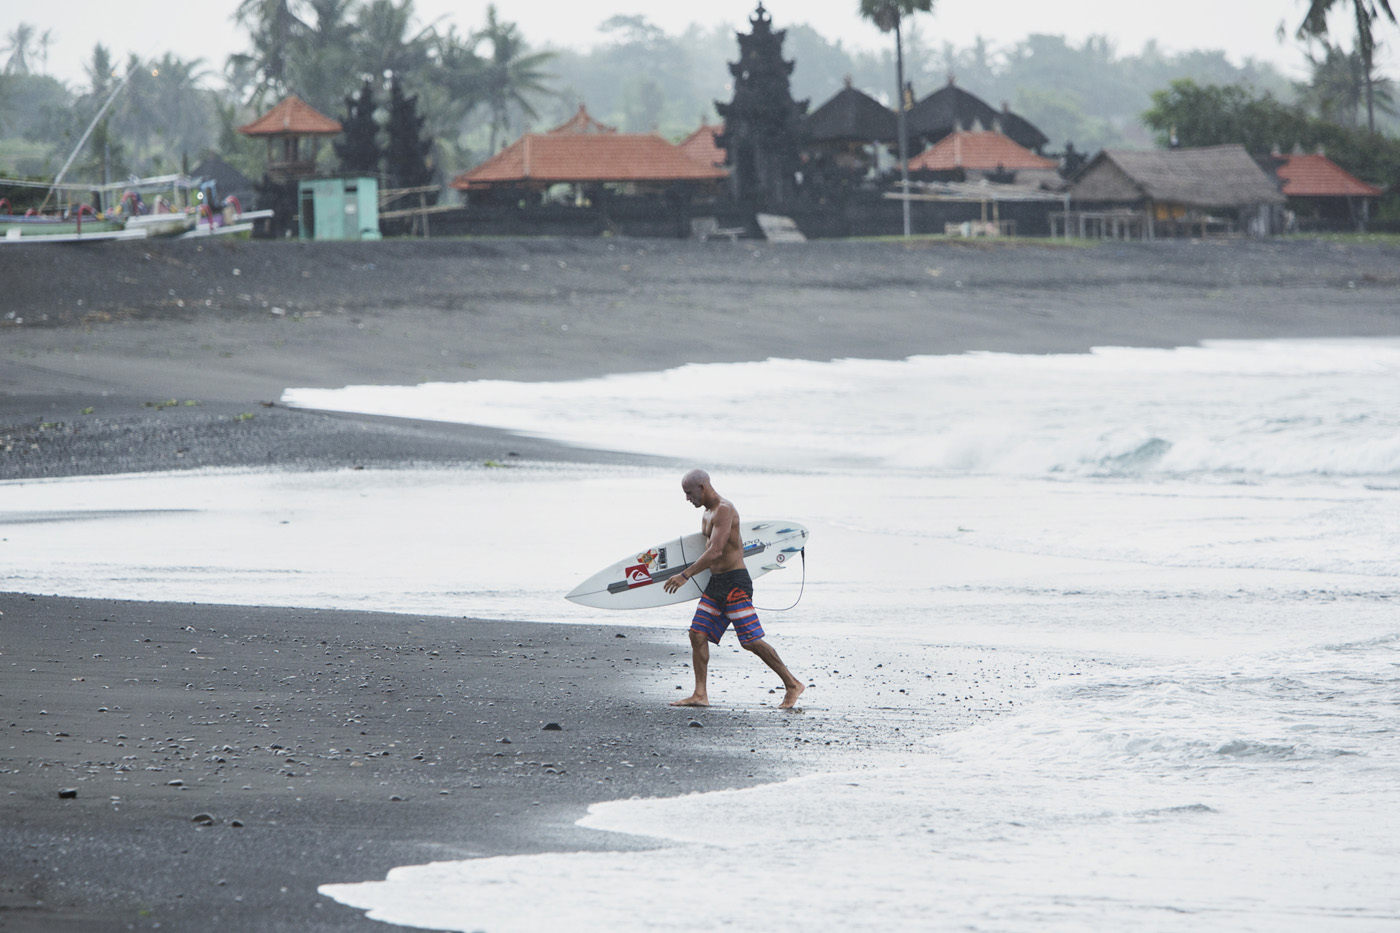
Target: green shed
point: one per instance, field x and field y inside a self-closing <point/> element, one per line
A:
<point x="339" y="208"/>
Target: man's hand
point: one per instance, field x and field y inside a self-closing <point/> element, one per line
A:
<point x="674" y="583"/>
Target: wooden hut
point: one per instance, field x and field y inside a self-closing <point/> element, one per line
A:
<point x="1216" y="189"/>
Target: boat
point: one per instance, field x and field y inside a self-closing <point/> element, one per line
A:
<point x="181" y="206"/>
<point x="84" y="226"/>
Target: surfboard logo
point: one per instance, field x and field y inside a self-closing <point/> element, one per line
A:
<point x="639" y="574"/>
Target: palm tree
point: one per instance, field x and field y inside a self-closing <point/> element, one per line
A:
<point x="166" y="114"/>
<point x="887" y="15"/>
<point x="323" y="67"/>
<point x="18" y="45"/>
<point x="275" y="30"/>
<point x="386" y="42"/>
<point x="1366" y="12"/>
<point x="44" y="41"/>
<point x="512" y="77"/>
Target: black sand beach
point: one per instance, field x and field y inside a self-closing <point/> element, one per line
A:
<point x="225" y="761"/>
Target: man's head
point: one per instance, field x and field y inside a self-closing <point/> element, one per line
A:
<point x="694" y="484"/>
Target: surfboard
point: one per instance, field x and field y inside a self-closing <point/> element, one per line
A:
<point x="637" y="580"/>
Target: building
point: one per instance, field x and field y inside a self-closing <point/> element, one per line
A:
<point x="846" y="134"/>
<point x="1172" y="192"/>
<point x="592" y="161"/>
<point x="293" y="130"/>
<point x="762" y="123"/>
<point x="950" y="108"/>
<point x="1321" y="194"/>
<point x="971" y="155"/>
<point x="701" y="145"/>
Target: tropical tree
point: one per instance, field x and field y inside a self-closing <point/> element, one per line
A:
<point x="512" y="76"/>
<point x="1365" y="13"/>
<point x="887" y="15"/>
<point x="106" y="155"/>
<point x="18" y="43"/>
<point x="385" y="40"/>
<point x="323" y="67"/>
<point x="164" y="113"/>
<point x="1337" y="88"/>
<point x="275" y="31"/>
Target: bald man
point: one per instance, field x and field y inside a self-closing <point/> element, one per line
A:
<point x="728" y="599"/>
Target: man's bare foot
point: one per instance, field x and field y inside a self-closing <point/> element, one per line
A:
<point x="790" y="696"/>
<point x="695" y="699"/>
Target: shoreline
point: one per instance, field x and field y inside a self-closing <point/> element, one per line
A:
<point x="200" y="766"/>
<point x="207" y="698"/>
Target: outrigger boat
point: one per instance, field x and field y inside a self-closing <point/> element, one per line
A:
<point x="181" y="207"/>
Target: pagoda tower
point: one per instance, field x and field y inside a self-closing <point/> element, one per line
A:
<point x="762" y="124"/>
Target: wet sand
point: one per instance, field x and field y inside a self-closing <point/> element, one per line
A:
<point x="314" y="747"/>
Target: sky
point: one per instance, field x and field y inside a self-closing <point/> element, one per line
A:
<point x="205" y="29"/>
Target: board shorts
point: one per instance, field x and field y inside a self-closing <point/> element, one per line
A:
<point x="728" y="599"/>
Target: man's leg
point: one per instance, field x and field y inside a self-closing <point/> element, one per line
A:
<point x="700" y="661"/>
<point x="792" y="687"/>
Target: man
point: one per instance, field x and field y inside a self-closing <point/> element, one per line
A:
<point x="729" y="596"/>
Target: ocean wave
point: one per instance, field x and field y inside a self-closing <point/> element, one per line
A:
<point x="1226" y="410"/>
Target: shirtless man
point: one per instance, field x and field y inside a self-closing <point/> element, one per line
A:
<point x="728" y="598"/>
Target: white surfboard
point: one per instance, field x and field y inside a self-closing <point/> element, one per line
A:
<point x="637" y="581"/>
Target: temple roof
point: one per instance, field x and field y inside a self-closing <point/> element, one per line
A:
<point x="543" y="159"/>
<point x="852" y="115"/>
<point x="950" y="108"/>
<point x="984" y="150"/>
<point x="292" y="117"/>
<point x="701" y="147"/>
<point x="1316" y="176"/>
<point x="583" y="122"/>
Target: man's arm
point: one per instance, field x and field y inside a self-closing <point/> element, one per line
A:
<point x="721" y="524"/>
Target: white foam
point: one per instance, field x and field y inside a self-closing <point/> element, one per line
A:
<point x="1229" y="408"/>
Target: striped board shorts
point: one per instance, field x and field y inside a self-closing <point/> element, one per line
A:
<point x="728" y="599"/>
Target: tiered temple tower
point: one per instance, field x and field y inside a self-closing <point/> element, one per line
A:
<point x="762" y="124"/>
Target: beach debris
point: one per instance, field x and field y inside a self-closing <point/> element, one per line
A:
<point x="505" y="741"/>
<point x="203" y="819"/>
<point x="175" y="783"/>
<point x="696" y="724"/>
<point x="68" y="793"/>
<point x="395" y="798"/>
<point x="553" y="727"/>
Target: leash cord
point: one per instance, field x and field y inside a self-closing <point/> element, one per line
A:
<point x="800" y="590"/>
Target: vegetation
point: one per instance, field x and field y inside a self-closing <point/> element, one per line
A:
<point x="1365" y="13"/>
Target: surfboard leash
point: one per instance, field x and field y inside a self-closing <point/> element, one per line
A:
<point x="800" y="590"/>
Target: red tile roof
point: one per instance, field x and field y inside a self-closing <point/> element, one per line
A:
<point x="583" y="122"/>
<point x="542" y="159"/>
<point x="701" y="147"/>
<point x="1316" y="176"/>
<point x="984" y="150"/>
<point x="292" y="117"/>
